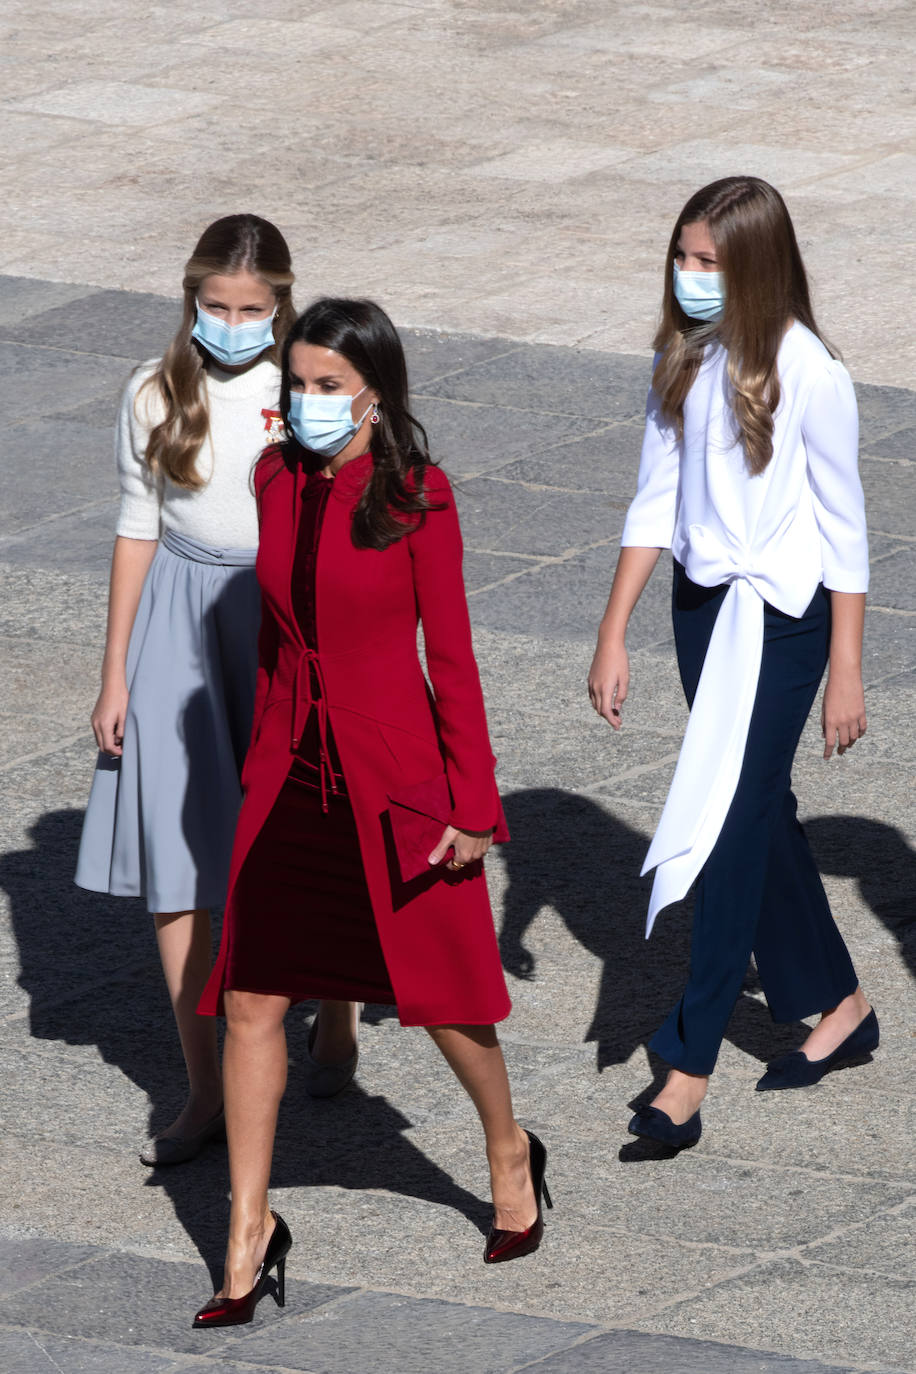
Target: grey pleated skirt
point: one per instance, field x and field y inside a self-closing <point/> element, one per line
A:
<point x="161" y="818"/>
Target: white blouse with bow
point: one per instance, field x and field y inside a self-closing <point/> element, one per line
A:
<point x="772" y="538"/>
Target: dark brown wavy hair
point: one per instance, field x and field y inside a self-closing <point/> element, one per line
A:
<point x="394" y="501"/>
<point x="236" y="243"/>
<point x="765" y="289"/>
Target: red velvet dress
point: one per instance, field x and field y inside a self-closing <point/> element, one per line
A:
<point x="304" y="924"/>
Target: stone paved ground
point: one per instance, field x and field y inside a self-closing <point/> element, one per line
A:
<point x="783" y="1244"/>
<point x="509" y="171"/>
<point x="509" y="167"/>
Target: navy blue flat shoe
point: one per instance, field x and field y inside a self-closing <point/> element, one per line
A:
<point x="796" y="1071"/>
<point x="654" y="1124"/>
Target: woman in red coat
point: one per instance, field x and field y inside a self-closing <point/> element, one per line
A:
<point x="370" y="799"/>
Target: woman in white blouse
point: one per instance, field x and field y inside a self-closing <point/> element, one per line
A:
<point x="749" y="475"/>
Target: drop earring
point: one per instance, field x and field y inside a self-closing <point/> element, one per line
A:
<point x="374" y="417"/>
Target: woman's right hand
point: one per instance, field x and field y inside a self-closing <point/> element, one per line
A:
<point x="108" y="719"/>
<point x="608" y="681"/>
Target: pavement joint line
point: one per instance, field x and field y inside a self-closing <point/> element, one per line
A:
<point x="640" y="770"/>
<point x="20" y="534"/>
<point x="545" y="561"/>
<point x="520" y="410"/>
<point x="888" y="462"/>
<point x="886" y="534"/>
<point x="70" y="350"/>
<point x="48" y="1356"/>
<point x="44" y="753"/>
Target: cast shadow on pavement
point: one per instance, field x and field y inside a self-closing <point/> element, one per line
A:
<point x="90" y="967"/>
<point x="569" y="853"/>
<point x="883" y="865"/>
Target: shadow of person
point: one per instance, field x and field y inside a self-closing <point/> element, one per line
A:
<point x="569" y="853"/>
<point x="883" y="865"/>
<point x="88" y="962"/>
<point x="354" y="1140"/>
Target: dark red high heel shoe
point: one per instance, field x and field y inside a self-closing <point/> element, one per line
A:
<point x="238" y="1311"/>
<point x="508" y="1245"/>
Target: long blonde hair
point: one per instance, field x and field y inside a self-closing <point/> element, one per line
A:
<point x="236" y="243"/>
<point x="765" y="288"/>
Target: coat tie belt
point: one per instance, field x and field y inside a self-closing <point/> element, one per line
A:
<point x="712" y="753"/>
<point x="303" y="701"/>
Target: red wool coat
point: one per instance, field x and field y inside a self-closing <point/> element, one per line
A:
<point x="436" y="933"/>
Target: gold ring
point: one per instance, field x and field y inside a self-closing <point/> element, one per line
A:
<point x="456" y="863"/>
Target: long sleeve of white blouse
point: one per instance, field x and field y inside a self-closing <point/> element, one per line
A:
<point x="830" y="430"/>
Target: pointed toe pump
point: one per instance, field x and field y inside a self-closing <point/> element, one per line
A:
<point x="795" y="1070"/>
<point x="653" y="1124"/>
<point x="173" y="1149"/>
<point x="238" y="1311"/>
<point x="508" y="1245"/>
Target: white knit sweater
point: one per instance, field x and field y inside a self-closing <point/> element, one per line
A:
<point x="222" y="512"/>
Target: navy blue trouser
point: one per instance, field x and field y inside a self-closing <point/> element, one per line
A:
<point x="759" y="889"/>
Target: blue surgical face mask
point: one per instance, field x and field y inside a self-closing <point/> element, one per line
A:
<point x="324" y="424"/>
<point x="701" y="295"/>
<point x="233" y="344"/>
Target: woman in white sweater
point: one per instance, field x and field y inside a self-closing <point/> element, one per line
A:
<point x="173" y="717"/>
<point x="749" y="475"/>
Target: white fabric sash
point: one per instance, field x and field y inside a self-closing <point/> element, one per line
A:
<point x="712" y="753"/>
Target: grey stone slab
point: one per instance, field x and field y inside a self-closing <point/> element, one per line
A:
<point x="35" y="1352"/>
<point x="566" y="600"/>
<point x="883" y="410"/>
<point x="135" y="1300"/>
<point x="381" y="1333"/>
<point x="855" y="1317"/>
<point x="899" y="446"/>
<point x="623" y="1352"/>
<point x="432" y="355"/>
<point x="44" y="381"/>
<point x="21" y="298"/>
<point x="488" y="569"/>
<point x="59" y="607"/>
<point x="893" y="580"/>
<point x="118" y="324"/>
<point x="25" y="1261"/>
<point x="884" y="1245"/>
<point x="890" y="496"/>
<point x="61" y="465"/>
<point x="545" y="380"/>
<point x="511" y="518"/>
<point x="468" y="439"/>
<point x="606" y="461"/>
<point x="83" y="540"/>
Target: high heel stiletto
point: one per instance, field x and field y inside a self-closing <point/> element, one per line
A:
<point x="508" y="1245"/>
<point x="238" y="1311"/>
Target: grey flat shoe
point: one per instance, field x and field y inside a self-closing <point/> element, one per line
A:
<point x="326" y="1080"/>
<point x="177" y="1149"/>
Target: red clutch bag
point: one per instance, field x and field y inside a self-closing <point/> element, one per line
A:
<point x="418" y="815"/>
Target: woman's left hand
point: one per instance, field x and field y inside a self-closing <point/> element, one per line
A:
<point x="843" y="712"/>
<point x="469" y="847"/>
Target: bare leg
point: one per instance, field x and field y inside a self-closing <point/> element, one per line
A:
<point x="335" y="1038"/>
<point x="682" y="1094"/>
<point x="474" y="1055"/>
<point x="835" y="1025"/>
<point x="186" y="954"/>
<point x="254" y="1079"/>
